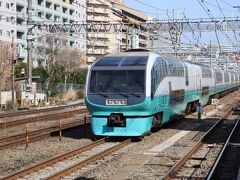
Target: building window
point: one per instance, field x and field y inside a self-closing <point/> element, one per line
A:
<point x="1" y="32"/>
<point x="64" y="10"/>
<point x="40" y="2"/>
<point x="7" y="6"/>
<point x="48" y="4"/>
<point x="0" y="3"/>
<point x="8" y="33"/>
<point x="39" y="14"/>
<point x="8" y="19"/>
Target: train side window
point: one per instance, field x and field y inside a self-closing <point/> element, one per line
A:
<point x="226" y="77"/>
<point x="177" y="97"/>
<point x="218" y="77"/>
<point x="232" y="77"/>
<point x="205" y="91"/>
<point x="206" y="72"/>
<point x="158" y="73"/>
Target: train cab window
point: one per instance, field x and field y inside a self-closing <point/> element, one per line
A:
<point x="121" y="81"/>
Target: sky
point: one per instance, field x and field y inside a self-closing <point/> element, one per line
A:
<point x="191" y="8"/>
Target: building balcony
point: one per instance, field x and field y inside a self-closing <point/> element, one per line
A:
<point x="143" y="42"/>
<point x="23" y="54"/>
<point x="100" y="43"/>
<point x="97" y="52"/>
<point x="21" y="28"/>
<point x="21" y="41"/>
<point x="97" y="11"/>
<point x="91" y="59"/>
<point x="97" y="19"/>
<point x="96" y="3"/>
<point x="22" y="2"/>
<point x="142" y="33"/>
<point x="99" y="35"/>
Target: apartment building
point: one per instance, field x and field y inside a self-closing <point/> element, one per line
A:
<point x="7" y="32"/>
<point x="100" y="43"/>
<point x="102" y="11"/>
<point x="58" y="11"/>
<point x="132" y="37"/>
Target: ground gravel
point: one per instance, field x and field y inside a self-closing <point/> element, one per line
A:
<point x="20" y="157"/>
<point x="14" y="159"/>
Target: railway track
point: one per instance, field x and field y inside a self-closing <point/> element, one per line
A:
<point x="36" y="111"/>
<point x="46" y="117"/>
<point x="66" y="164"/>
<point x="226" y="166"/>
<point x="215" y="138"/>
<point x="39" y="134"/>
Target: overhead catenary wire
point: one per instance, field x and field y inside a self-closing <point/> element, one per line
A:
<point x="211" y="16"/>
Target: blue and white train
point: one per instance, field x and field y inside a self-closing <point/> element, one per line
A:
<point x="129" y="93"/>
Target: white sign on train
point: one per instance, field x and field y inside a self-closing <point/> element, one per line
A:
<point x="215" y="101"/>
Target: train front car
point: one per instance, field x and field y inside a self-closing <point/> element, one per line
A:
<point x="116" y="95"/>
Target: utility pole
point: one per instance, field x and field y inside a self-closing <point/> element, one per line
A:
<point x="29" y="45"/>
<point x="127" y="33"/>
<point x="210" y="48"/>
<point x="13" y="72"/>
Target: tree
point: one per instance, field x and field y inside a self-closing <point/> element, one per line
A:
<point x="61" y="61"/>
<point x="5" y="65"/>
<point x="78" y="76"/>
<point x="71" y="61"/>
<point x="51" y="46"/>
<point x="18" y="69"/>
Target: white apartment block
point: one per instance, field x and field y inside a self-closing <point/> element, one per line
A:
<point x="7" y="22"/>
<point x="53" y="11"/>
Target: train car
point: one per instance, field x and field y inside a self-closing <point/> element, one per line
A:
<point x="129" y="93"/>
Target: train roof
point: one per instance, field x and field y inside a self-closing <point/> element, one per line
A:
<point x="137" y="57"/>
<point x="130" y="53"/>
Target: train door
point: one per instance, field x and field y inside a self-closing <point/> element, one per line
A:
<point x="197" y="82"/>
<point x="170" y="93"/>
<point x="214" y="79"/>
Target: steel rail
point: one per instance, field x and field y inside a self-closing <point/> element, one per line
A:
<point x="49" y="162"/>
<point x="38" y="134"/>
<point x="170" y="174"/>
<point x="91" y="159"/>
<point x="47" y="117"/>
<point x="216" y="162"/>
<point x="34" y="111"/>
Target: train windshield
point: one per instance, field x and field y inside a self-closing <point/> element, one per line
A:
<point x="121" y="81"/>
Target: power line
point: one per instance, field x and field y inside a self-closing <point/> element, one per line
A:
<point x="217" y="6"/>
<point x="220" y="8"/>
<point x="145" y="4"/>
<point x="227" y="3"/>
<point x="211" y="16"/>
